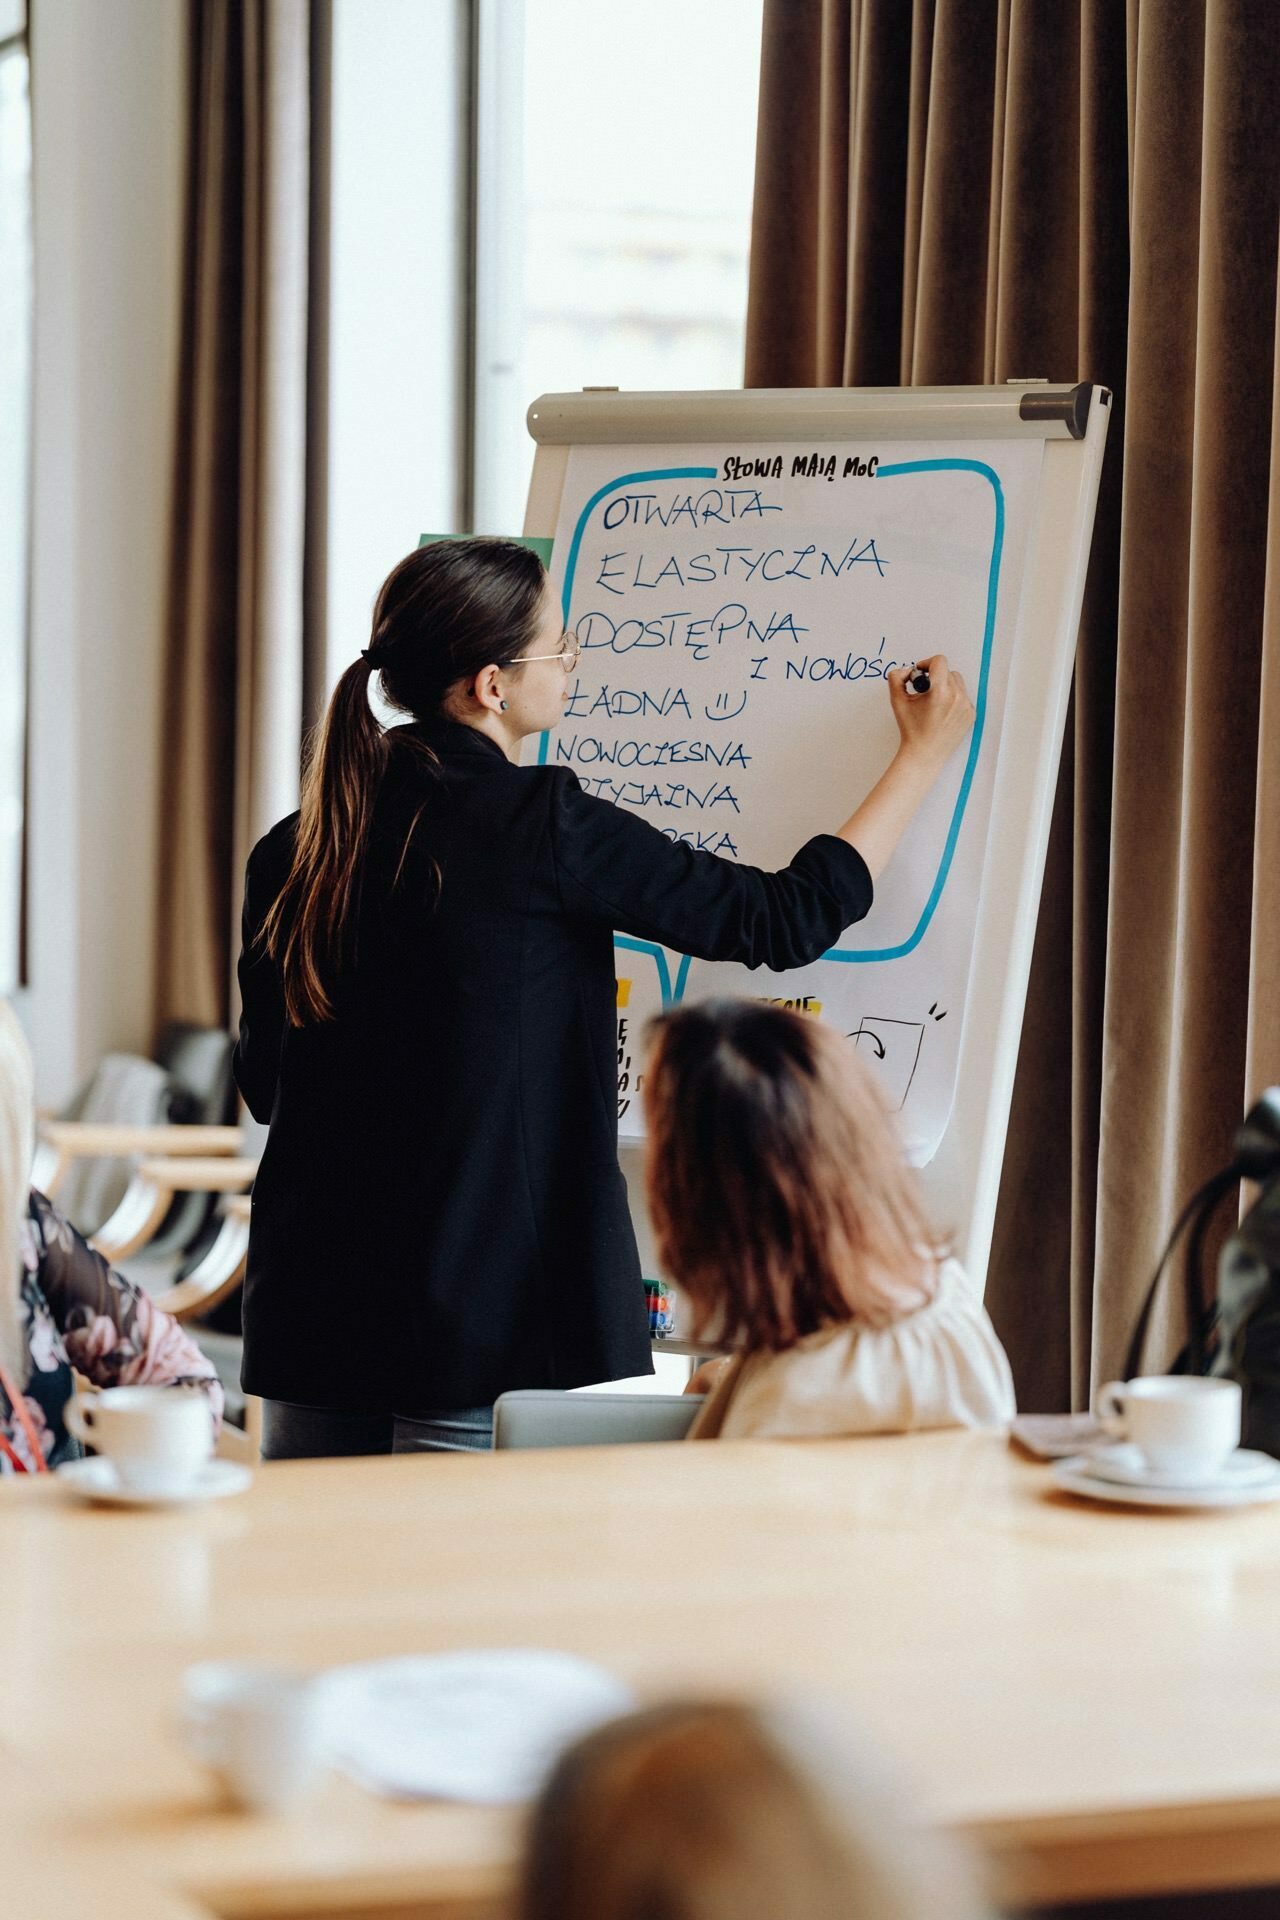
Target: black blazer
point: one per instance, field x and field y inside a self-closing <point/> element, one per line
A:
<point x="439" y="1214"/>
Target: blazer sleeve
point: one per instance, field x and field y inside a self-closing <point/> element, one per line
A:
<point x="256" y="1060"/>
<point x="612" y="865"/>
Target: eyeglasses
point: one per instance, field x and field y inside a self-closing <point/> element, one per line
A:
<point x="570" y="649"/>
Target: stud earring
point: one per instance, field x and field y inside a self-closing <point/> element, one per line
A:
<point x="502" y="706"/>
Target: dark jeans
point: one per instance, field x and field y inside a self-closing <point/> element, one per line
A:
<point x="291" y="1432"/>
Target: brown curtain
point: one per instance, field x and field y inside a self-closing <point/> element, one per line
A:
<point x="246" y="609"/>
<point x="973" y="190"/>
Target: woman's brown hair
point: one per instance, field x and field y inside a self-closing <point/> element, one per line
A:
<point x="780" y="1196"/>
<point x="715" y="1811"/>
<point x="444" y="613"/>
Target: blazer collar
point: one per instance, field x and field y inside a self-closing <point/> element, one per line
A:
<point x="451" y="737"/>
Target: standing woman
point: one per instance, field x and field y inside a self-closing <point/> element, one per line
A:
<point x="429" y="1018"/>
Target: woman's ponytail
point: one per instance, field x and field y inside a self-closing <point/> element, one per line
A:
<point x="445" y="612"/>
<point x="307" y="931"/>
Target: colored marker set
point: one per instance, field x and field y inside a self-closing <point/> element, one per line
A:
<point x="660" y="1299"/>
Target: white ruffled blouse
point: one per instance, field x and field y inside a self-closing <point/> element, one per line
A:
<point x="942" y="1366"/>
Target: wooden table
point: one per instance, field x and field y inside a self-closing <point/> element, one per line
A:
<point x="1089" y="1692"/>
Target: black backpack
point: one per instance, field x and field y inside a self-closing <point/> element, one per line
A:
<point x="1238" y="1336"/>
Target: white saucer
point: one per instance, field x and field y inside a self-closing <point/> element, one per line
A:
<point x="96" y="1479"/>
<point x="1124" y="1464"/>
<point x="1077" y="1475"/>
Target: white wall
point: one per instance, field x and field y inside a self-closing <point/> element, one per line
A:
<point x="108" y="90"/>
<point x="397" y="301"/>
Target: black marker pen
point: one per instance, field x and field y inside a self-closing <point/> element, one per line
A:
<point x="918" y="680"/>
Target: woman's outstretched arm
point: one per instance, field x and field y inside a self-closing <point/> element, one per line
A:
<point x="931" y="726"/>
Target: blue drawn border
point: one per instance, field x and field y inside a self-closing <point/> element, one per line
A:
<point x="673" y="991"/>
<point x="980" y="704"/>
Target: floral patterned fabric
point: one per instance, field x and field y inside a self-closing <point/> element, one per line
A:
<point x="78" y="1313"/>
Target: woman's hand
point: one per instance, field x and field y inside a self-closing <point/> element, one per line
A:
<point x="931" y="725"/>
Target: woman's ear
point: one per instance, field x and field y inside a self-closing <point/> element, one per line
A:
<point x="486" y="690"/>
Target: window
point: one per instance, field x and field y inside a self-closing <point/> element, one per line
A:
<point x="398" y="247"/>
<point x="615" y="162"/>
<point x="527" y="196"/>
<point x="15" y="417"/>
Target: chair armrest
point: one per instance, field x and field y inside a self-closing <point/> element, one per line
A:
<point x="150" y="1194"/>
<point x="221" y="1269"/>
<point x="74" y="1139"/>
<point x="60" y="1142"/>
<point x="229" y="1175"/>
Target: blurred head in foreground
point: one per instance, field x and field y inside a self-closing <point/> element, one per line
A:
<point x="715" y="1811"/>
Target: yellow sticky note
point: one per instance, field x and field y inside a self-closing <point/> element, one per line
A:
<point x="624" y="992"/>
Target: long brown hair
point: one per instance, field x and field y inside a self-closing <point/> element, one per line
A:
<point x="716" y="1811"/>
<point x="780" y="1197"/>
<point x="444" y="613"/>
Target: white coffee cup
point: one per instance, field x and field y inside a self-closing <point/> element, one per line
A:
<point x="260" y="1729"/>
<point x="156" y="1438"/>
<point x="1181" y="1424"/>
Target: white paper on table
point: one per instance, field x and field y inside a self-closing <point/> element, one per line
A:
<point x="482" y="1726"/>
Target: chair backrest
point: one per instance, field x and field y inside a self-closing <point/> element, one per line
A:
<point x="202" y="1092"/>
<point x="188" y="1083"/>
<point x="198" y="1063"/>
<point x="125" y="1090"/>
<point x="535" y="1417"/>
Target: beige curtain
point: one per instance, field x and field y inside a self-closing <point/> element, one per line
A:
<point x="246" y="606"/>
<point x="973" y="190"/>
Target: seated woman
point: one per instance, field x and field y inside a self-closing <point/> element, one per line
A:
<point x="713" y="1811"/>
<point x="789" y="1220"/>
<point x="61" y="1306"/>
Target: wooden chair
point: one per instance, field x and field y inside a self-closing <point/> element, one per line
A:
<point x="60" y="1142"/>
<point x="182" y="1101"/>
<point x="157" y="1181"/>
